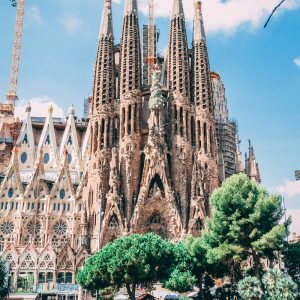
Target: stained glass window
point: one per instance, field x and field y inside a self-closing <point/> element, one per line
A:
<point x="7" y="227"/>
<point x="10" y="193"/>
<point x="34" y="228"/>
<point x="60" y="228"/>
<point x="46" y="158"/>
<point x="23" y="157"/>
<point x="62" y="194"/>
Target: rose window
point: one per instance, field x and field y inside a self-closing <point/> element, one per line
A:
<point x="34" y="228"/>
<point x="60" y="228"/>
<point x="7" y="227"/>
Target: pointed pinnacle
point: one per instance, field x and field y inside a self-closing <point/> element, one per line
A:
<point x="199" y="32"/>
<point x="106" y="28"/>
<point x="131" y="7"/>
<point x="177" y="9"/>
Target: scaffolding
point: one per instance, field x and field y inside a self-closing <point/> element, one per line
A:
<point x="226" y="139"/>
<point x="86" y="107"/>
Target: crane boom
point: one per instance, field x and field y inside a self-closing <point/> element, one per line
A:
<point x="11" y="96"/>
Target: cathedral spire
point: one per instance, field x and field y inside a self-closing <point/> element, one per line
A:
<point x="104" y="78"/>
<point x="177" y="9"/>
<point x="130" y="64"/>
<point x="106" y="28"/>
<point x="178" y="56"/>
<point x="199" y="32"/>
<point x="203" y="99"/>
<point x="203" y="96"/>
<point x="131" y="7"/>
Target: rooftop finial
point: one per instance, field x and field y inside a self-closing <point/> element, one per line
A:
<point x="28" y="107"/>
<point x="72" y="110"/>
<point x="50" y="109"/>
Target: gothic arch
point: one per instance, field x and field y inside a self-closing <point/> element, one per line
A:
<point x="156" y="180"/>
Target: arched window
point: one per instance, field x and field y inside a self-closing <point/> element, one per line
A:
<point x="113" y="222"/>
<point x="155" y="219"/>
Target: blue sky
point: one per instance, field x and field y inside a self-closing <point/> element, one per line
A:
<point x="259" y="67"/>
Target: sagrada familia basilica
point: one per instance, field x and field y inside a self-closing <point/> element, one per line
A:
<point x="146" y="160"/>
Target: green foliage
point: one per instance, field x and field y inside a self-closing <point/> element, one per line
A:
<point x="278" y="286"/>
<point x="250" y="288"/>
<point x="181" y="281"/>
<point x="4" y="284"/>
<point x="130" y="261"/>
<point x="292" y="261"/>
<point x="181" y="278"/>
<point x="245" y="224"/>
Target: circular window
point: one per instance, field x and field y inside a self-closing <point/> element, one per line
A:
<point x="7" y="227"/>
<point x="62" y="194"/>
<point x="34" y="228"/>
<point x="70" y="158"/>
<point x="60" y="228"/>
<point x="46" y="158"/>
<point x="23" y="157"/>
<point x="10" y="193"/>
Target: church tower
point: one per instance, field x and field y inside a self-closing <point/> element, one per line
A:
<point x="130" y="107"/>
<point x="178" y="82"/>
<point x="102" y="127"/>
<point x="205" y="131"/>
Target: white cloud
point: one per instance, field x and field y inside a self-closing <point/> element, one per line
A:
<point x="39" y="108"/>
<point x="34" y="14"/>
<point x="295" y="214"/>
<point x="225" y="16"/>
<point x="289" y="188"/>
<point x="71" y="23"/>
<point x="297" y="61"/>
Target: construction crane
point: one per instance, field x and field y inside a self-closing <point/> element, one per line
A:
<point x="151" y="58"/>
<point x="11" y="96"/>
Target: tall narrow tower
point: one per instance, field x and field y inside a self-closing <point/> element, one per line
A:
<point x="130" y="106"/>
<point x="204" y="107"/>
<point x="180" y="108"/>
<point x="102" y="122"/>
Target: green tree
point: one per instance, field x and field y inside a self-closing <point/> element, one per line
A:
<point x="245" y="224"/>
<point x="278" y="286"/>
<point x="128" y="261"/>
<point x="292" y="261"/>
<point x="4" y="283"/>
<point x="182" y="278"/>
<point x="250" y="288"/>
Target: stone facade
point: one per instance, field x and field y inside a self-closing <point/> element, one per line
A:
<point x="145" y="161"/>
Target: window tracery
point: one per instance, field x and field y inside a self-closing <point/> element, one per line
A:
<point x="34" y="228"/>
<point x="7" y="227"/>
<point x="60" y="228"/>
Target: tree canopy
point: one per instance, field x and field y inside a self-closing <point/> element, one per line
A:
<point x="244" y="226"/>
<point x="292" y="261"/>
<point x="132" y="260"/>
<point x="4" y="284"/>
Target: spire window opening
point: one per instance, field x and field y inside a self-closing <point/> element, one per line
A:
<point x="123" y="123"/>
<point x="129" y="119"/>
<point x="205" y="137"/>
